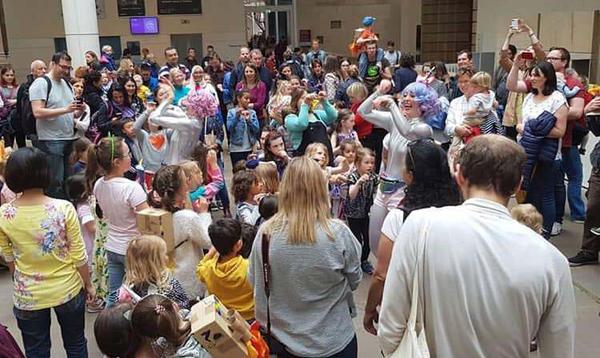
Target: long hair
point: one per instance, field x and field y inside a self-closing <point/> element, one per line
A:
<point x="432" y="183"/>
<point x="272" y="136"/>
<point x="545" y="69"/>
<point x="425" y="96"/>
<point x="146" y="262"/>
<point x="199" y="155"/>
<point x="5" y="69"/>
<point x="303" y="203"/>
<point x="103" y="155"/>
<point x="156" y="316"/>
<point x="332" y="65"/>
<point x="256" y="77"/>
<point x="267" y="174"/>
<point x="166" y="184"/>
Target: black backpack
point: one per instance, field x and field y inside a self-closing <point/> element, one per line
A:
<point x="24" y="117"/>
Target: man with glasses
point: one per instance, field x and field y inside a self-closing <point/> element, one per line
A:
<point x="560" y="58"/>
<point x="54" y="108"/>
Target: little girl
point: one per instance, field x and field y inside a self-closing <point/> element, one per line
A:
<point x="79" y="196"/>
<point x="246" y="187"/>
<point x="318" y="152"/>
<point x="243" y="128"/>
<point x="363" y="184"/>
<point x="142" y="90"/>
<point x="146" y="270"/>
<point x="79" y="154"/>
<point x="344" y="130"/>
<point x="158" y="318"/>
<point x="266" y="173"/>
<point x="339" y="191"/>
<point x="119" y="199"/>
<point x="212" y="175"/>
<point x="170" y="191"/>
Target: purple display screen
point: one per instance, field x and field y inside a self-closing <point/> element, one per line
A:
<point x="143" y="25"/>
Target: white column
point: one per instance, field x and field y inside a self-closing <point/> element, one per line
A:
<point x="81" y="29"/>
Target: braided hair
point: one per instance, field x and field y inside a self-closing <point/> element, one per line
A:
<point x="165" y="186"/>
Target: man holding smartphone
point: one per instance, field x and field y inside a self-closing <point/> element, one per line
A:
<point x="54" y="108"/>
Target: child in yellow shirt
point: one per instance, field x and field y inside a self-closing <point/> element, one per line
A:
<point x="224" y="271"/>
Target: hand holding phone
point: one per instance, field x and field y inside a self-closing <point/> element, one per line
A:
<point x="527" y="55"/>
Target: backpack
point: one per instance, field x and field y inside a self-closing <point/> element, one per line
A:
<point x="27" y="118"/>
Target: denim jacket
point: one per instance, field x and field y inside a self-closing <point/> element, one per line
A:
<point x="238" y="127"/>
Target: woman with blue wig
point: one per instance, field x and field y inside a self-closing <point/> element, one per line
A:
<point x="404" y="124"/>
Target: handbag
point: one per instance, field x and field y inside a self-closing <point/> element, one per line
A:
<point x="275" y="346"/>
<point x="413" y="343"/>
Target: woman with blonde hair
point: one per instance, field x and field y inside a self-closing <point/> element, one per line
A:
<point x="314" y="265"/>
<point x="126" y="68"/>
<point x="146" y="270"/>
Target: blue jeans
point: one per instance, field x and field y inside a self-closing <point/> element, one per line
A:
<point x="116" y="272"/>
<point x="35" y="328"/>
<point x="560" y="192"/>
<point x="571" y="164"/>
<point x="541" y="193"/>
<point x="58" y="152"/>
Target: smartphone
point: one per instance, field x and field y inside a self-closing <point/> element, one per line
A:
<point x="79" y="101"/>
<point x="514" y="24"/>
<point x="527" y="56"/>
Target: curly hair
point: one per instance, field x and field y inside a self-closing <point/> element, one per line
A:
<point x="425" y="96"/>
<point x="242" y="184"/>
<point x="165" y="186"/>
<point x="432" y="183"/>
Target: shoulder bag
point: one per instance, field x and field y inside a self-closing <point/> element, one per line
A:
<point x="413" y="343"/>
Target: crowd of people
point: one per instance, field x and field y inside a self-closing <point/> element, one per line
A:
<point x="333" y="160"/>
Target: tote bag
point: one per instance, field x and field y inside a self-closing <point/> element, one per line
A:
<point x="413" y="343"/>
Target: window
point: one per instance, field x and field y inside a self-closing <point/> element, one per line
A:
<point x="335" y="24"/>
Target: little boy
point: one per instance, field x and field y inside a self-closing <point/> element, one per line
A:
<point x="224" y="271"/>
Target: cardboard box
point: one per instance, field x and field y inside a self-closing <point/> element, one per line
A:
<point x="211" y="330"/>
<point x="157" y="222"/>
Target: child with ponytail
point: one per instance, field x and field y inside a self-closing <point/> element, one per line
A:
<point x="158" y="319"/>
<point x="119" y="199"/>
<point x="170" y="191"/>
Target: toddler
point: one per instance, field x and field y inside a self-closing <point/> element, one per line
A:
<point x="362" y="184"/>
<point x="79" y="155"/>
<point x="146" y="270"/>
<point x="159" y="319"/>
<point x="224" y="271"/>
<point x="246" y="187"/>
<point x="79" y="197"/>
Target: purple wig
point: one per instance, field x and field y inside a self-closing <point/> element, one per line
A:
<point x="425" y="96"/>
<point x="202" y="103"/>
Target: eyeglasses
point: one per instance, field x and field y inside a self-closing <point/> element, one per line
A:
<point x="65" y="67"/>
<point x="554" y="59"/>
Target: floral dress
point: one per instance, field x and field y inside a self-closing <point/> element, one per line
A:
<point x="99" y="261"/>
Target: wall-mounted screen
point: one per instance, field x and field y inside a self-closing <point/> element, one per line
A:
<point x="143" y="25"/>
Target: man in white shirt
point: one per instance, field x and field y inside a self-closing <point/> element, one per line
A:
<point x="482" y="292"/>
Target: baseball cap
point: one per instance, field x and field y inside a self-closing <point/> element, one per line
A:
<point x="368" y="21"/>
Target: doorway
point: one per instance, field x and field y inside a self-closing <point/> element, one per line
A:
<point x="270" y="21"/>
<point x="183" y="42"/>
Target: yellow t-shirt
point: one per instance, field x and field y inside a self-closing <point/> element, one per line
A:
<point x="229" y="282"/>
<point x="46" y="245"/>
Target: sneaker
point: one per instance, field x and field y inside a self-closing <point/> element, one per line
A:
<point x="595" y="231"/>
<point x="367" y="267"/>
<point x="583" y="258"/>
<point x="96" y="306"/>
<point x="556" y="229"/>
<point x="578" y="221"/>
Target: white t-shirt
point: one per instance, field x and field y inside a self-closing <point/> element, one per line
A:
<point x="392" y="224"/>
<point x="118" y="198"/>
<point x="60" y="127"/>
<point x="532" y="109"/>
